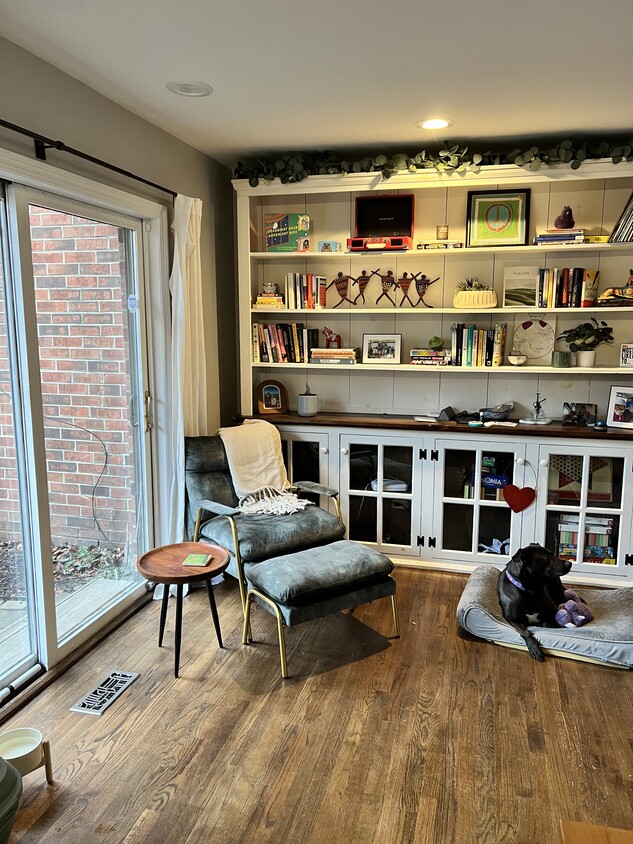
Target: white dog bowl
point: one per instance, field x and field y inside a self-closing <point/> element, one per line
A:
<point x="23" y="748"/>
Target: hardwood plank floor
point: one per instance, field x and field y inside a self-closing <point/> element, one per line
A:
<point x="429" y="738"/>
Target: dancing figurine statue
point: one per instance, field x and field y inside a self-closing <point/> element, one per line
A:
<point x="387" y="283"/>
<point x="422" y="285"/>
<point x="362" y="281"/>
<point x="404" y="283"/>
<point x="341" y="282"/>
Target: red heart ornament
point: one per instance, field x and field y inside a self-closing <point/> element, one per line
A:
<point x="518" y="499"/>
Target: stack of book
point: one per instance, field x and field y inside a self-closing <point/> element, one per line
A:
<point x="623" y="229"/>
<point x="283" y="342"/>
<point x="560" y="237"/>
<point x="430" y="357"/>
<point x="472" y="346"/>
<point x="337" y="356"/>
<point x="269" y="302"/>
<point x="598" y="540"/>
<point x="306" y="291"/>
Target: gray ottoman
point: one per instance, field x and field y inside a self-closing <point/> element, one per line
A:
<point x="317" y="582"/>
<point x="607" y="639"/>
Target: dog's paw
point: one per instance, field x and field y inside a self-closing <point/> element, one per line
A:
<point x="534" y="649"/>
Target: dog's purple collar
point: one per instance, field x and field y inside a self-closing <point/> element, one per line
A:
<point x="515" y="582"/>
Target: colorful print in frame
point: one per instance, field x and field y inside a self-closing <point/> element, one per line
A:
<point x="498" y="218"/>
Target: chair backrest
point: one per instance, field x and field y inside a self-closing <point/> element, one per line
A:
<point x="207" y="475"/>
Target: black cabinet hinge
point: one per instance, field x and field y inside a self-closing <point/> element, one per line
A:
<point x="431" y="542"/>
<point x="435" y="455"/>
<point x="628" y="559"/>
<point x="420" y="541"/>
<point x="422" y="454"/>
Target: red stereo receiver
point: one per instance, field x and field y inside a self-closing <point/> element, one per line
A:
<point x="379" y="244"/>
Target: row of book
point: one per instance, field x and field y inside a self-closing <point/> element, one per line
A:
<point x="472" y="346"/>
<point x="567" y="288"/>
<point x="283" y="342"/>
<point x="623" y="229"/>
<point x="597" y="543"/>
<point x="306" y="290"/>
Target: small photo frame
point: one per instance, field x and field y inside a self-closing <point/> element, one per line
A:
<point x="498" y="218"/>
<point x="271" y="397"/>
<point x="382" y="348"/>
<point x="579" y="413"/>
<point x="626" y="354"/>
<point x="620" y="412"/>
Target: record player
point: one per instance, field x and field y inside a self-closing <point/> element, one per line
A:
<point x="383" y="224"/>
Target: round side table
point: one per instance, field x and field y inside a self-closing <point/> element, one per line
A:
<point x="165" y="565"/>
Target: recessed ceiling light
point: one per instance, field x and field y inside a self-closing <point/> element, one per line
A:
<point x="434" y="123"/>
<point x="190" y="89"/>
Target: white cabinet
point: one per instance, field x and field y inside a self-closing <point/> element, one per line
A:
<point x="434" y="501"/>
<point x="597" y="193"/>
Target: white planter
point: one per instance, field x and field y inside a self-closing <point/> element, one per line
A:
<point x="587" y="358"/>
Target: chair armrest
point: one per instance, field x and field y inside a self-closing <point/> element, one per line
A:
<point x="215" y="507"/>
<point x="317" y="489"/>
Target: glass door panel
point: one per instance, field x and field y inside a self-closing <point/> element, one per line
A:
<point x="576" y="482"/>
<point x="583" y="538"/>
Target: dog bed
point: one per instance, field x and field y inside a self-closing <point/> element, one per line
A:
<point x="607" y="639"/>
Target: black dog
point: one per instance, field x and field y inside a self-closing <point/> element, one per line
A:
<point x="530" y="592"/>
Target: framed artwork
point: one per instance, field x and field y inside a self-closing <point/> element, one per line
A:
<point x="271" y="397"/>
<point x="579" y="413"/>
<point x="382" y="348"/>
<point x="498" y="218"/>
<point x="620" y="412"/>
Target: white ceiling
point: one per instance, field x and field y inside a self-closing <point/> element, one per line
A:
<point x="345" y="75"/>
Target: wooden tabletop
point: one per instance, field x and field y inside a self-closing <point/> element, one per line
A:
<point x="583" y="833"/>
<point x="164" y="565"/>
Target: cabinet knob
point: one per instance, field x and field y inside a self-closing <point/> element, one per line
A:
<point x="343" y="451"/>
<point x="324" y="450"/>
<point x="544" y="462"/>
<point x="521" y="461"/>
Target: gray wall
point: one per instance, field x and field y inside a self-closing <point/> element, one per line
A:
<point x="38" y="97"/>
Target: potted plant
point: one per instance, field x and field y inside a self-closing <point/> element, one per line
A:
<point x="585" y="338"/>
<point x="471" y="293"/>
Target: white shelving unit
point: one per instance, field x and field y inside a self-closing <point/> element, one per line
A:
<point x="597" y="193"/>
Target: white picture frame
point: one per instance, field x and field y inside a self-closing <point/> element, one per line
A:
<point x="382" y="348"/>
<point x="620" y="412"/>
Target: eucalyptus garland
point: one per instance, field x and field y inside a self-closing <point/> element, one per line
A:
<point x="295" y="167"/>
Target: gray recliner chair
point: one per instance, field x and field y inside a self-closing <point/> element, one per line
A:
<point x="297" y="566"/>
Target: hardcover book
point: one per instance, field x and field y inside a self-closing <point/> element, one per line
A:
<point x="287" y="232"/>
<point x="520" y="287"/>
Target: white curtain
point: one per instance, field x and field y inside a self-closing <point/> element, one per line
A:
<point x="188" y="369"/>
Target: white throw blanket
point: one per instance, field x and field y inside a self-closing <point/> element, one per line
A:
<point x="253" y="451"/>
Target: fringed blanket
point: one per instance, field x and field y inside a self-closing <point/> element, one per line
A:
<point x="253" y="451"/>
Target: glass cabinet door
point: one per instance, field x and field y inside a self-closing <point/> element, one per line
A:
<point x="585" y="500"/>
<point x="380" y="494"/>
<point x="473" y="520"/>
<point x="306" y="458"/>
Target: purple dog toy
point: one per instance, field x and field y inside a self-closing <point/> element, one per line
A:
<point x="574" y="612"/>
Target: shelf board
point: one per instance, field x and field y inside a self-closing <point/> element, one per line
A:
<point x="430" y="311"/>
<point x="470" y="250"/>
<point x="453" y="370"/>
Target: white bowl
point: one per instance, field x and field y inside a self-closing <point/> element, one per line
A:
<point x="22" y="748"/>
<point x="517" y="360"/>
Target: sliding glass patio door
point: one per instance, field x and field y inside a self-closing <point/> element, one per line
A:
<point x="82" y="411"/>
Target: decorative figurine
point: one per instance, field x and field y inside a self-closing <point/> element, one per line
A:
<point x="422" y="284"/>
<point x="404" y="283"/>
<point x="362" y="281"/>
<point x="332" y="340"/>
<point x="618" y="295"/>
<point x="565" y="219"/>
<point x="341" y="282"/>
<point x="387" y="282"/>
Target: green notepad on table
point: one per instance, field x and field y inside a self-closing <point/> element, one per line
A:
<point x="197" y="560"/>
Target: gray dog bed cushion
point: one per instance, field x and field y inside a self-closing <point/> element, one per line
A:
<point x="608" y="638"/>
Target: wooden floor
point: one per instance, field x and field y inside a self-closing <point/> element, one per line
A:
<point x="428" y="738"/>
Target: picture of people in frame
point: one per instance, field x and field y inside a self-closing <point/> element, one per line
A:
<point x="271" y="397"/>
<point x="381" y="349"/>
<point x="623" y="407"/>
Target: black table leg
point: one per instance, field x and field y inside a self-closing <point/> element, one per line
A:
<point x="163" y="613"/>
<point x="214" y="613"/>
<point x="178" y="632"/>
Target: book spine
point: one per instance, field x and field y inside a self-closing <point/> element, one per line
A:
<point x="577" y="276"/>
<point x="263" y="348"/>
<point x="589" y="290"/>
<point x="256" y="349"/>
<point x="272" y="344"/>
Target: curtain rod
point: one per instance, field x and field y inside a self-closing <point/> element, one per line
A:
<point x="42" y="143"/>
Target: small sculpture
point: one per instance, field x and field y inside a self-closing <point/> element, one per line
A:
<point x="362" y="281"/>
<point x="332" y="340"/>
<point x="341" y="282"/>
<point x="404" y="283"/>
<point x="618" y="295"/>
<point x="387" y="282"/>
<point x="565" y="219"/>
<point x="422" y="284"/>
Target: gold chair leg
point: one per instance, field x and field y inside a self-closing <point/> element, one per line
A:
<point x="246" y="631"/>
<point x="280" y="627"/>
<point x="396" y="622"/>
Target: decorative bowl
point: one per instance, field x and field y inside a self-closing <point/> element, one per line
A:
<point x="517" y="360"/>
<point x="472" y="299"/>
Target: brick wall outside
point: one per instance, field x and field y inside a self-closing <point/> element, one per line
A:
<point x="81" y="303"/>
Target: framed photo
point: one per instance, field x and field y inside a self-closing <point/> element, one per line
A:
<point x="498" y="218"/>
<point x="620" y="412"/>
<point x="271" y="397"/>
<point x="579" y="413"/>
<point x="382" y="348"/>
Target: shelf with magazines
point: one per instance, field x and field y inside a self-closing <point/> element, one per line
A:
<point x="410" y="294"/>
